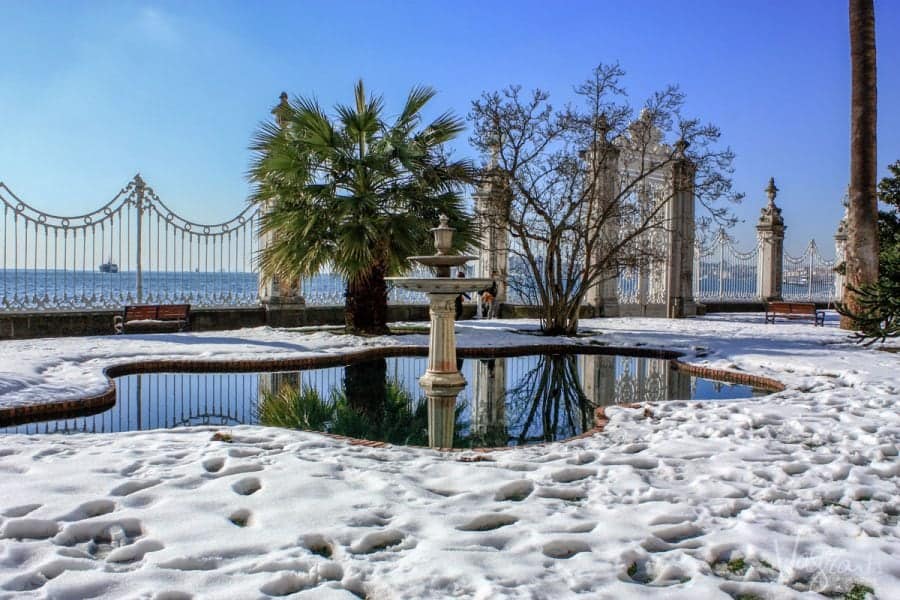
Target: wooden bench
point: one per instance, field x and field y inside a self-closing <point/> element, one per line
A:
<point x="153" y="318"/>
<point x="794" y="310"/>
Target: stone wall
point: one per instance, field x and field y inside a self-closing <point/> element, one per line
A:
<point x="100" y="322"/>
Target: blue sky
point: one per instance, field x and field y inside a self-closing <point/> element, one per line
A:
<point x="92" y="92"/>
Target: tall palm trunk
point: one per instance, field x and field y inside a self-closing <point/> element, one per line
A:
<point x="365" y="385"/>
<point x="365" y="309"/>
<point x="862" y="235"/>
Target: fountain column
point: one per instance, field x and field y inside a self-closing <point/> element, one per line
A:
<point x="442" y="369"/>
<point x="442" y="381"/>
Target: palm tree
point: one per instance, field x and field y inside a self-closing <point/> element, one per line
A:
<point x="357" y="193"/>
<point x="862" y="235"/>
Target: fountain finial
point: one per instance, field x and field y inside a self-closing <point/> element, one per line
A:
<point x="443" y="236"/>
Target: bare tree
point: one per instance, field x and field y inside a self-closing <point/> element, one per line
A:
<point x="862" y="233"/>
<point x="588" y="185"/>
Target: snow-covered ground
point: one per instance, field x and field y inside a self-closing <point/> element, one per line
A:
<point x="791" y="495"/>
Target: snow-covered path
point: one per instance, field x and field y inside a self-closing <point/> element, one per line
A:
<point x="780" y="497"/>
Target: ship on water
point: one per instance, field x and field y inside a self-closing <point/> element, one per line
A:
<point x="109" y="267"/>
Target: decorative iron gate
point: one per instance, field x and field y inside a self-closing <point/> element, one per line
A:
<point x="134" y="248"/>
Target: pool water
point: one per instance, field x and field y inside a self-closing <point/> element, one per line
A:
<point x="508" y="401"/>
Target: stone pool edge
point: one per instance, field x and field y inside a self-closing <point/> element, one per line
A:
<point x="95" y="403"/>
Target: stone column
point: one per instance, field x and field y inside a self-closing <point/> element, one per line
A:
<point x="442" y="380"/>
<point x="598" y="372"/>
<point x="678" y="385"/>
<point x="442" y="371"/>
<point x="489" y="397"/>
<point x="840" y="251"/>
<point x="492" y="212"/>
<point x="441" y="420"/>
<point x="282" y="299"/>
<point x="603" y="181"/>
<point x="680" y="255"/>
<point x="770" y="235"/>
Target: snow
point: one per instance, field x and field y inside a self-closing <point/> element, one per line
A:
<point x="790" y="495"/>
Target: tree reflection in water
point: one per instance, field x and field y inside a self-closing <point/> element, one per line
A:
<point x="368" y="406"/>
<point x="548" y="402"/>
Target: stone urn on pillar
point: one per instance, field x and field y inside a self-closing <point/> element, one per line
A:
<point x="442" y="380"/>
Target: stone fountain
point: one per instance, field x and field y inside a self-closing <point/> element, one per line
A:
<point x="442" y="380"/>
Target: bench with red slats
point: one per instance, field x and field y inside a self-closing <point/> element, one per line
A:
<point x="153" y="318"/>
<point x="794" y="310"/>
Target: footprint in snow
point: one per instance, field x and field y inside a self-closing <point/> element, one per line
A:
<point x="240" y="517"/>
<point x="29" y="529"/>
<point x="213" y="465"/>
<point x="569" y="494"/>
<point x="287" y="584"/>
<point x="378" y="518"/>
<point x="20" y="511"/>
<point x="570" y="474"/>
<point x="674" y="537"/>
<point x="90" y="509"/>
<point x="317" y="544"/>
<point x="246" y="486"/>
<point x="564" y="548"/>
<point x="488" y="522"/>
<point x="377" y="540"/>
<point x="515" y="491"/>
<point x="132" y="486"/>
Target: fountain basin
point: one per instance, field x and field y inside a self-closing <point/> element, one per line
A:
<point x="443" y="260"/>
<point x="441" y="285"/>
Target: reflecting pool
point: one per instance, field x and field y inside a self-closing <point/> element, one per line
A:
<point x="508" y="401"/>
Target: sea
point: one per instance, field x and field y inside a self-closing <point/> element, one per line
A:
<point x="23" y="289"/>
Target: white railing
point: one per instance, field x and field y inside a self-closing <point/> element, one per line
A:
<point x="327" y="288"/>
<point x="131" y="249"/>
<point x="722" y="272"/>
<point x="809" y="276"/>
<point x="725" y="274"/>
<point x="135" y="248"/>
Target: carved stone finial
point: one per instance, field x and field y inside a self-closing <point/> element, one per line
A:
<point x="770" y="215"/>
<point x="681" y="147"/>
<point x="771" y="191"/>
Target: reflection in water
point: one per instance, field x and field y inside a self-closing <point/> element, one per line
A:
<point x="488" y="414"/>
<point x="368" y="405"/>
<point x="508" y="401"/>
<point x="548" y="403"/>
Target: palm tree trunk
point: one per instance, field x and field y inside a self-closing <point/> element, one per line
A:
<point x="365" y="310"/>
<point x="862" y="235"/>
<point x="365" y="385"/>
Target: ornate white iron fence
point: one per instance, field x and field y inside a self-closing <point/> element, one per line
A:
<point x="722" y="272"/>
<point x="809" y="276"/>
<point x="132" y="249"/>
<point x="327" y="289"/>
<point x="136" y="249"/>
